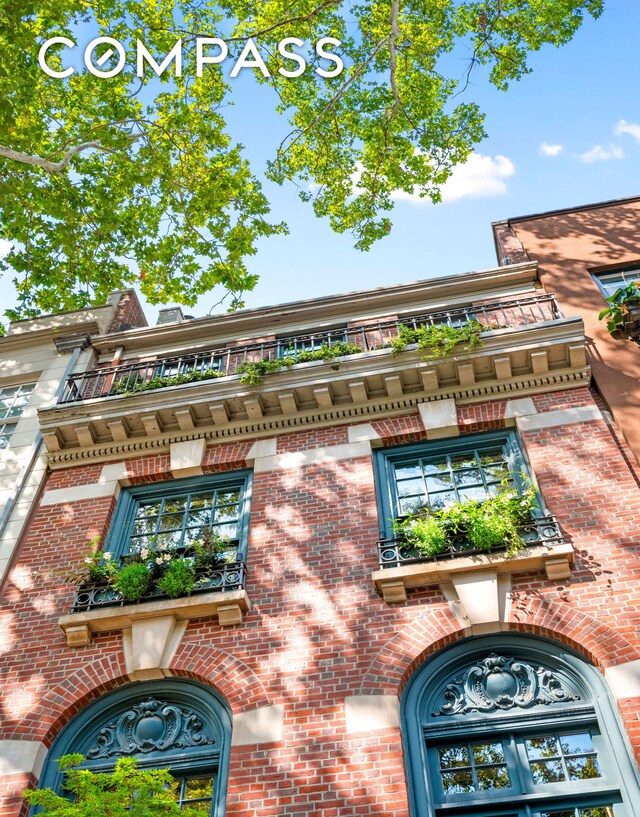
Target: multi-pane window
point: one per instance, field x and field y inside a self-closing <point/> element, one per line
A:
<point x="514" y="727"/>
<point x="193" y="792"/>
<point x="438" y="474"/>
<point x="13" y="400"/>
<point x="609" y="282"/>
<point x="173" y="515"/>
<point x="311" y="341"/>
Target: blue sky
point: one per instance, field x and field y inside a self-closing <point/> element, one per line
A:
<point x="582" y="102"/>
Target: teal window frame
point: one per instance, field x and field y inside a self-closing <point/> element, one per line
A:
<point x="386" y="460"/>
<point x="425" y="730"/>
<point x="187" y="762"/>
<point x="120" y="532"/>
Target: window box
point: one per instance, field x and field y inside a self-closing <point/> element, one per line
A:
<point x="554" y="557"/>
<point x="184" y="538"/>
<point x="229" y="606"/>
<point x="451" y="481"/>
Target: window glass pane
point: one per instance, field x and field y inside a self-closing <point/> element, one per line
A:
<point x="13" y="400"/>
<point x="454" y="756"/>
<point x="486" y="753"/>
<point x="493" y="777"/>
<point x="580" y="761"/>
<point x="459" y="782"/>
<point x="611" y="281"/>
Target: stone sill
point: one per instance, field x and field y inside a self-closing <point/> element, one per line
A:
<point x="229" y="606"/>
<point x="393" y="582"/>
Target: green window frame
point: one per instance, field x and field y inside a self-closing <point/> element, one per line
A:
<point x="170" y="515"/>
<point x="487" y="736"/>
<point x="441" y="472"/>
<point x="125" y="716"/>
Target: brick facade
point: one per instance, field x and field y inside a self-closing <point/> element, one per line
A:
<point x="318" y="631"/>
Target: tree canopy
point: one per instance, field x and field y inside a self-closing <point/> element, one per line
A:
<point x="109" y="182"/>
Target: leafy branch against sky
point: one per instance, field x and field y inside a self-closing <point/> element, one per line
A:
<point x="109" y="182"/>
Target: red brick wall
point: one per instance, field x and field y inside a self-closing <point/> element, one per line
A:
<point x="318" y="631"/>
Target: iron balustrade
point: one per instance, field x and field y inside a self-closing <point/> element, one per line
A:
<point x="229" y="576"/>
<point x="543" y="530"/>
<point x="128" y="378"/>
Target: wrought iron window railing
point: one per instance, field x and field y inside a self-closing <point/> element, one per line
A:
<point x="229" y="576"/>
<point x="395" y="552"/>
<point x="128" y="378"/>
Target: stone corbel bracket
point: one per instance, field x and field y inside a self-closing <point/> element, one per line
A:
<point x="152" y="630"/>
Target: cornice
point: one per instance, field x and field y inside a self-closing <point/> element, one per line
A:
<point x="522" y="361"/>
<point x="251" y="323"/>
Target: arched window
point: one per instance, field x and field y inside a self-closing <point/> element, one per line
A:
<point x="515" y="727"/>
<point x="175" y="724"/>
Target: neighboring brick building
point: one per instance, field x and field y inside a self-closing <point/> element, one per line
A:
<point x="323" y="669"/>
<point x="584" y="254"/>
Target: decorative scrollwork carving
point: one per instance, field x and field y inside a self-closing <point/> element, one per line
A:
<point x="497" y="683"/>
<point x="151" y="726"/>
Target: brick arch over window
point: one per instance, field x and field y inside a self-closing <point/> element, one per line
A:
<point x="173" y="723"/>
<point x="396" y="660"/>
<point x="236" y="682"/>
<point x="515" y="726"/>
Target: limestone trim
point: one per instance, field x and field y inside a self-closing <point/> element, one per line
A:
<point x="21" y="757"/>
<point x="257" y="726"/>
<point x="268" y="425"/>
<point x="229" y="606"/>
<point x="371" y="713"/>
<point x="393" y="582"/>
<point x="624" y="679"/>
<point x="558" y="417"/>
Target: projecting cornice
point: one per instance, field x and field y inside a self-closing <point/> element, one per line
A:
<point x="516" y="362"/>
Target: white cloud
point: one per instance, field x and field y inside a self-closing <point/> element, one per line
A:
<point x="627" y="127"/>
<point x="479" y="177"/>
<point x="551" y="150"/>
<point x="600" y="154"/>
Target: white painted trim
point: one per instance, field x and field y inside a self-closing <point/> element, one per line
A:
<point x="624" y="679"/>
<point x="558" y="417"/>
<point x="371" y="713"/>
<point x="261" y="725"/>
<point x="21" y="757"/>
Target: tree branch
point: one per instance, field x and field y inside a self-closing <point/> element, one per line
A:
<point x="57" y="167"/>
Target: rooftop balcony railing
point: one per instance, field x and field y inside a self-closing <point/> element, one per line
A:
<point x="127" y="378"/>
<point x="543" y="530"/>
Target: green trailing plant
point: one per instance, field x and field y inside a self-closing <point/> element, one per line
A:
<point x="438" y="340"/>
<point x="482" y="524"/>
<point x="616" y="313"/>
<point x="178" y="578"/>
<point x="211" y="552"/>
<point x="127" y="791"/>
<point x="132" y="580"/>
<point x="156" y="567"/>
<point x="162" y="382"/>
<point x="252" y="372"/>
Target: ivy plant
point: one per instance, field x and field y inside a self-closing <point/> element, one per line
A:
<point x="494" y="522"/>
<point x="438" y="340"/>
<point x="153" y="383"/>
<point x="619" y="303"/>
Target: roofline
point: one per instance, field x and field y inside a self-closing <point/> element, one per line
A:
<point x="579" y="208"/>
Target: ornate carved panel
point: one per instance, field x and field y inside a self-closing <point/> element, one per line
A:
<point x="151" y="726"/>
<point x="498" y="683"/>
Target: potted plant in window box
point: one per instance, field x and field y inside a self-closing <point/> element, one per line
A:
<point x="623" y="313"/>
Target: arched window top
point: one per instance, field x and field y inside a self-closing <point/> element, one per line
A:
<point x="515" y="726"/>
<point x="174" y="723"/>
<point x="500" y="683"/>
